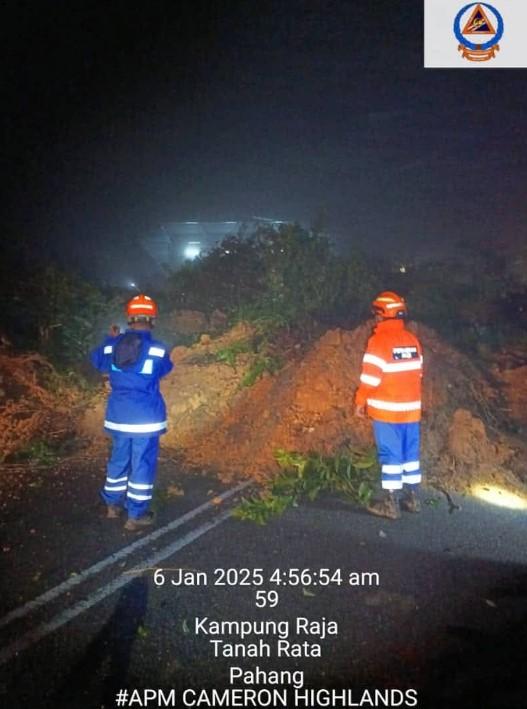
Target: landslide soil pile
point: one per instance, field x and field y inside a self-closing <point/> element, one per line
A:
<point x="510" y="368"/>
<point x="217" y="425"/>
<point x="33" y="403"/>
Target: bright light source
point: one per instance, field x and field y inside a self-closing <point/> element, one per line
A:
<point x="500" y="497"/>
<point x="192" y="250"/>
<point x="132" y="284"/>
<point x="402" y="269"/>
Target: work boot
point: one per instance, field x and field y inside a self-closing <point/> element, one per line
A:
<point x="113" y="511"/>
<point x="410" y="502"/>
<point x="135" y="524"/>
<point x="387" y="506"/>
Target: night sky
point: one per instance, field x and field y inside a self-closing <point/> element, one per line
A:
<point x="119" y="116"/>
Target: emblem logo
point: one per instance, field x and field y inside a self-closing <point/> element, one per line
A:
<point x="478" y="27"/>
<point x="404" y="352"/>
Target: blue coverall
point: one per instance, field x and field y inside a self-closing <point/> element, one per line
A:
<point x="135" y="416"/>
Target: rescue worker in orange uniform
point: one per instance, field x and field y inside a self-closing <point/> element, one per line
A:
<point x="390" y="394"/>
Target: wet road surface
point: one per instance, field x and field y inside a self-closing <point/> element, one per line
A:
<point x="82" y="615"/>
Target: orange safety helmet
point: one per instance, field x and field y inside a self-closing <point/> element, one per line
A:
<point x="141" y="307"/>
<point x="389" y="305"/>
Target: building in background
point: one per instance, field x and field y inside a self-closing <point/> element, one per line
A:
<point x="176" y="242"/>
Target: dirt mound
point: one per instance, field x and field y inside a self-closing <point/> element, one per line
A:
<point x="305" y="406"/>
<point x="33" y="402"/>
<point x="194" y="322"/>
<point x="203" y="385"/>
<point x="464" y="414"/>
<point x="514" y="382"/>
<point x="308" y="406"/>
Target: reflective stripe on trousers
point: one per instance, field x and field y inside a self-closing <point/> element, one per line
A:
<point x="131" y="473"/>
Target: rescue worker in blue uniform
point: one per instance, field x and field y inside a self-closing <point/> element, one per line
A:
<point x="135" y="413"/>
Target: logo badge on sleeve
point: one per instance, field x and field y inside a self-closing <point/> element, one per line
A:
<point x="404" y="353"/>
<point x="478" y="27"/>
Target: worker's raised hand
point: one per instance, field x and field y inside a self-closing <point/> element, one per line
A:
<point x="114" y="330"/>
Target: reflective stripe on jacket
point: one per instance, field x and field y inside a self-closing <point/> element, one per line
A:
<point x="390" y="380"/>
<point x="135" y="405"/>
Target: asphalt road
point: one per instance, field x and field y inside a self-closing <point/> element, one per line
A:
<point x="448" y="618"/>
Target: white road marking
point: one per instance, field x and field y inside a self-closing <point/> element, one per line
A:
<point x="30" y="638"/>
<point x="53" y="593"/>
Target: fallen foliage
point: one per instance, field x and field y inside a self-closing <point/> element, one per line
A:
<point x="34" y="403"/>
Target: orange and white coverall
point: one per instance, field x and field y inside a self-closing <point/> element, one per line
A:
<point x="390" y="388"/>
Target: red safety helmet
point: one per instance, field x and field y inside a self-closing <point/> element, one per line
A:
<point x="141" y="307"/>
<point x="389" y="305"/>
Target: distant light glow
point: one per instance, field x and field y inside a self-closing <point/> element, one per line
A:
<point x="192" y="250"/>
<point x="402" y="269"/>
<point x="132" y="284"/>
<point x="500" y="497"/>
